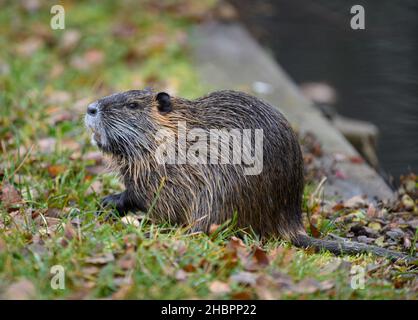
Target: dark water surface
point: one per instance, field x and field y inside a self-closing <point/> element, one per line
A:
<point x="375" y="71"/>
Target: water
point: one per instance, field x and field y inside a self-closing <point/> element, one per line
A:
<point x="375" y="71"/>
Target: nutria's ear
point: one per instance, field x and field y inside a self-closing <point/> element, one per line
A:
<point x="164" y="103"/>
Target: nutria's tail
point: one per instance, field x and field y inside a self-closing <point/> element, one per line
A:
<point x="339" y="247"/>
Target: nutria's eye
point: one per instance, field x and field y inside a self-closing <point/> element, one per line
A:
<point x="133" y="105"/>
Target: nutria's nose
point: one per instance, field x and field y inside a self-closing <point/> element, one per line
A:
<point x="92" y="109"/>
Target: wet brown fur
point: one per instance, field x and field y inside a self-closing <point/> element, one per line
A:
<point x="201" y="195"/>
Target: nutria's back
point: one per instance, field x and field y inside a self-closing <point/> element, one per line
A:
<point x="139" y="130"/>
<point x="200" y="161"/>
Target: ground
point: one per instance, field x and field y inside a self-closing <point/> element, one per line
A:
<point x="51" y="178"/>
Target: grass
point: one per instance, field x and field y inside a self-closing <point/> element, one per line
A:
<point x="45" y="154"/>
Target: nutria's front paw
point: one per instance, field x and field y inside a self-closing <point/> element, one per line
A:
<point x="115" y="201"/>
<point x="111" y="200"/>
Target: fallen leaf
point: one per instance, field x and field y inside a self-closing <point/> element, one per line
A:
<point x="94" y="56"/>
<point x="406" y="242"/>
<point x="46" y="145"/>
<point x="314" y="230"/>
<point x="54" y="213"/>
<point x="130" y="220"/>
<point x="305" y="286"/>
<point x="91" y="270"/>
<point x="57" y="169"/>
<point x="375" y="226"/>
<point x="330" y="267"/>
<point x="180" y="247"/>
<point x="338" y="207"/>
<point x="24" y="289"/>
<point x="69" y="40"/>
<point x="371" y="211"/>
<point x="380" y="241"/>
<point x="127" y="262"/>
<point x="244" y="277"/>
<point x="95" y="188"/>
<point x="258" y="259"/>
<point x="355" y="202"/>
<point x="69" y="231"/>
<point x="9" y="196"/>
<point x="189" y="268"/>
<point x="181" y="275"/>
<point x="281" y="280"/>
<point x="219" y="287"/>
<point x="101" y="259"/>
<point x="213" y="228"/>
<point x="29" y="46"/>
<point x="407" y="202"/>
<point x="235" y="242"/>
<point x="242" y="295"/>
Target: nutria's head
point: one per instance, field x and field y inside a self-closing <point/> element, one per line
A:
<point x="122" y="124"/>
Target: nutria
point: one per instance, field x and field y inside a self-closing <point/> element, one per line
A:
<point x="127" y="126"/>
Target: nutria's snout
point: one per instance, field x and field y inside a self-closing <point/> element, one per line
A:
<point x="93" y="109"/>
<point x="121" y="124"/>
<point x="92" y="121"/>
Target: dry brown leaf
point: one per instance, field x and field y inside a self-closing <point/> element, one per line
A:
<point x="180" y="247"/>
<point x="29" y="46"/>
<point x="281" y="280"/>
<point x="406" y="242"/>
<point x="242" y="295"/>
<point x="24" y="289"/>
<point x="124" y="29"/>
<point x="256" y="260"/>
<point x="69" y="40"/>
<point x="189" y="268"/>
<point x="69" y="231"/>
<point x="219" y="287"/>
<point x="91" y="270"/>
<point x="355" y="202"/>
<point x="314" y="230"/>
<point x="338" y="207"/>
<point x="94" y="56"/>
<point x="53" y="213"/>
<point x="56" y="169"/>
<point x="95" y="188"/>
<point x="101" y="258"/>
<point x="236" y="244"/>
<point x="261" y="257"/>
<point x="127" y="262"/>
<point x="9" y="196"/>
<point x="305" y="286"/>
<point x="213" y="228"/>
<point x="46" y="145"/>
<point x="181" y="275"/>
<point x="244" y="277"/>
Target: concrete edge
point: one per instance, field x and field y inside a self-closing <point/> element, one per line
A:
<point x="227" y="57"/>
